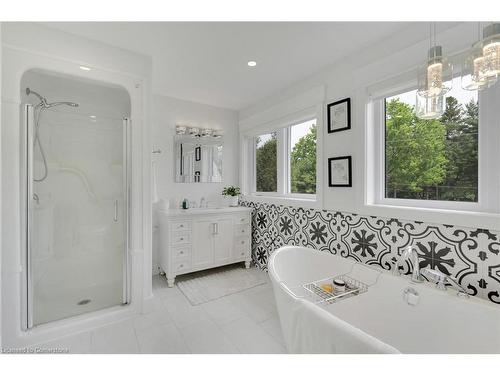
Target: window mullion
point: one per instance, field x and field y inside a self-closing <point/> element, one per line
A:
<point x="281" y="163"/>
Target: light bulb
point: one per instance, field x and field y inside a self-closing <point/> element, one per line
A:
<point x="434" y="79"/>
<point x="491" y="53"/>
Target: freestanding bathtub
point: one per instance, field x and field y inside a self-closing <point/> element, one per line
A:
<point x="381" y="320"/>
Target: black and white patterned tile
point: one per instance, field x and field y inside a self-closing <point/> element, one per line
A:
<point x="472" y="256"/>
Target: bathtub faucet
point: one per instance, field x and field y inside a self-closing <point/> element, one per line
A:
<point x="441" y="279"/>
<point x="411" y="254"/>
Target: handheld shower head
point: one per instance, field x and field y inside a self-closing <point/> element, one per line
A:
<point x="45" y="104"/>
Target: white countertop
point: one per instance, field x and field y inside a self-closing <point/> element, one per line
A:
<point x="202" y="211"/>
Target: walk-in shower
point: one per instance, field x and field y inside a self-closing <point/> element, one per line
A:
<point x="77" y="184"/>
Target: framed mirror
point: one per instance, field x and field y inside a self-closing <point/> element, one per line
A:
<point x="198" y="159"/>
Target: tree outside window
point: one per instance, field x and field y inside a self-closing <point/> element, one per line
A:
<point x="432" y="159"/>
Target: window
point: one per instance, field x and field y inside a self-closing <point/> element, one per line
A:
<point x="433" y="160"/>
<point x="303" y="158"/>
<point x="449" y="163"/>
<point x="285" y="160"/>
<point x="266" y="162"/>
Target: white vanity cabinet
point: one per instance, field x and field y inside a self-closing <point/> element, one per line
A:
<point x="197" y="239"/>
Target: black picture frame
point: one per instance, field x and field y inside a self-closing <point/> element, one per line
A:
<point x="329" y="109"/>
<point x="332" y="183"/>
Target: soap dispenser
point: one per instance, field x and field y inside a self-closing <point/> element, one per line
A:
<point x="185" y="204"/>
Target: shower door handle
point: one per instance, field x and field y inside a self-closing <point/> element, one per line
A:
<point x="116" y="211"/>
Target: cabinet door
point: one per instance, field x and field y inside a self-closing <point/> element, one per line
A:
<point x="202" y="250"/>
<point x="223" y="240"/>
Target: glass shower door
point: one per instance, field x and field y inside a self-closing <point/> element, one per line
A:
<point x="77" y="214"/>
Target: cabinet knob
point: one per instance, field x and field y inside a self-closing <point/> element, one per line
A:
<point x="182" y="238"/>
<point x="181" y="226"/>
<point x="242" y="242"/>
<point x="182" y="265"/>
<point x="182" y="252"/>
<point x="242" y="253"/>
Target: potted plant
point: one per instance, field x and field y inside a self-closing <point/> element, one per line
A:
<point x="231" y="193"/>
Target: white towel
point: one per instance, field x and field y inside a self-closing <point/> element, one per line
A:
<point x="315" y="330"/>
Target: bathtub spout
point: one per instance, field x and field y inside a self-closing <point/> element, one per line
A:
<point x="411" y="254"/>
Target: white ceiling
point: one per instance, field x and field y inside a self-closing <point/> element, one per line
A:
<point x="207" y="62"/>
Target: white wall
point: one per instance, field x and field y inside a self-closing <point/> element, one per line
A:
<point x="166" y="114"/>
<point x="352" y="77"/>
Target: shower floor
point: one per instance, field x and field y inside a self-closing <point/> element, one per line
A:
<point x="72" y="285"/>
<point x="63" y="304"/>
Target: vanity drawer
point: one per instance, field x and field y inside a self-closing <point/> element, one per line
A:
<point x="242" y="230"/>
<point x="242" y="247"/>
<point x="181" y="266"/>
<point x="242" y="220"/>
<point x="242" y="243"/>
<point x="180" y="226"/>
<point x="179" y="238"/>
<point x="180" y="252"/>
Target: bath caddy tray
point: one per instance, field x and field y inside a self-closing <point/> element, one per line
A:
<point x="353" y="288"/>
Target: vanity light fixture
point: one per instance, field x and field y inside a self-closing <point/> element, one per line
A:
<point x="83" y="67"/>
<point x="206" y="132"/>
<point x="198" y="132"/>
<point x="217" y="133"/>
<point x="435" y="76"/>
<point x="252" y="63"/>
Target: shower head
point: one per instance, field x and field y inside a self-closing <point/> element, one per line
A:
<point x="43" y="101"/>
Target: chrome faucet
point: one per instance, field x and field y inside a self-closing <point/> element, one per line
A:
<point x="411" y="254"/>
<point x="440" y="279"/>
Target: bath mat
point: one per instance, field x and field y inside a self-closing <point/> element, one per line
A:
<point x="209" y="287"/>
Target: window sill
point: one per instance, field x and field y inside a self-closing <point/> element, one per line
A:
<point x="470" y="219"/>
<point x="285" y="200"/>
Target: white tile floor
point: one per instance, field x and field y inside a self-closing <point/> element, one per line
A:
<point x="245" y="322"/>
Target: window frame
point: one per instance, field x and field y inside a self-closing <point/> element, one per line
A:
<point x="488" y="156"/>
<point x="283" y="136"/>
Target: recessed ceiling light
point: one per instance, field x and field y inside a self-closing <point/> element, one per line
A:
<point x="86" y="68"/>
<point x="92" y="116"/>
<point x="252" y="63"/>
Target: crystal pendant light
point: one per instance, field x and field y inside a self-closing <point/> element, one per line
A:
<point x="491" y="50"/>
<point x="435" y="77"/>
<point x="474" y="75"/>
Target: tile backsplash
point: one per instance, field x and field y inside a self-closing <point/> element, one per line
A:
<point x="470" y="255"/>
